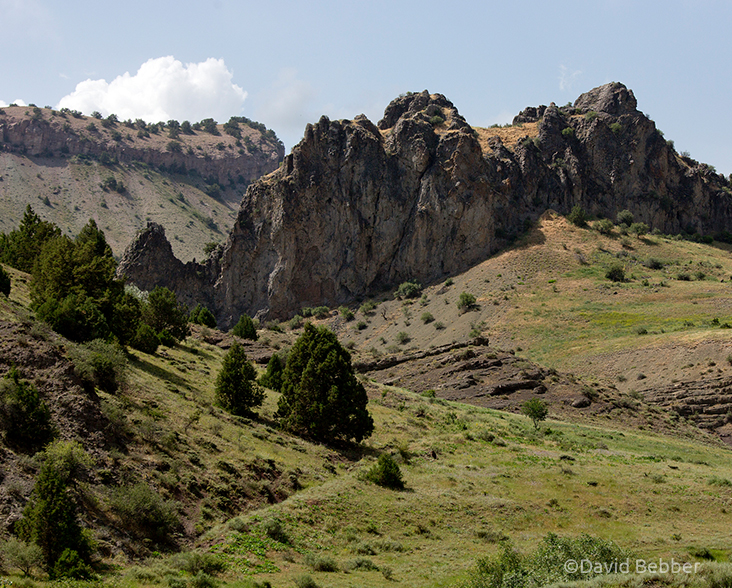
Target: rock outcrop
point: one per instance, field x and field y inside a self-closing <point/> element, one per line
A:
<point x="358" y="207"/>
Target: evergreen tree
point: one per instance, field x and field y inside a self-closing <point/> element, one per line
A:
<point x="21" y="247"/>
<point x="272" y="378"/>
<point x="245" y="328"/>
<point x="24" y="416"/>
<point x="201" y="315"/>
<point x="4" y="282"/>
<point x="320" y="393"/>
<point x="236" y="388"/>
<point x="163" y="312"/>
<point x="49" y="518"/>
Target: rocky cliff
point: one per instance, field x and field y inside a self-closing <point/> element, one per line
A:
<point x="243" y="156"/>
<point x="357" y="207"/>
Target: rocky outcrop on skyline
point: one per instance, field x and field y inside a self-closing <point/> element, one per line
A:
<point x="358" y="207"/>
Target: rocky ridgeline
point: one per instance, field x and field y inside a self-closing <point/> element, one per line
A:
<point x="357" y="207"/>
<point x="220" y="158"/>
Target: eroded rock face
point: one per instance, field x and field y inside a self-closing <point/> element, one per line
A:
<point x="356" y="207"/>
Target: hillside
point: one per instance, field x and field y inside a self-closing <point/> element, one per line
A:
<point x="70" y="168"/>
<point x="275" y="507"/>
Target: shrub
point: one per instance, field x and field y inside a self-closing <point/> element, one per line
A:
<point x="408" y="289"/>
<point x="638" y="229"/>
<point x="245" y="328"/>
<point x="346" y="313"/>
<point x="101" y="364"/>
<point x="386" y="473"/>
<point x="145" y="513"/>
<point x="274" y="530"/>
<point x="536" y="410"/>
<point x="236" y="388"/>
<point x="577" y="216"/>
<point x="321" y="563"/>
<point x="466" y="301"/>
<point x="368" y="307"/>
<point x="21" y="555"/>
<point x="201" y="315"/>
<point x="653" y="263"/>
<point x="403" y="338"/>
<point x="70" y="565"/>
<point x="24" y="416"/>
<point x="21" y="247"/>
<point x="604" y="226"/>
<point x="4" y="282"/>
<point x="146" y="339"/>
<point x="305" y="581"/>
<point x="616" y="273"/>
<point x="320" y="393"/>
<point x="625" y="218"/>
<point x="568" y="132"/>
<point x="427" y="317"/>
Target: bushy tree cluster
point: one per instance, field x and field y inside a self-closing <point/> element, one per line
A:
<point x="5" y="282"/>
<point x="76" y="291"/>
<point x="321" y="396"/>
<point x="201" y="315"/>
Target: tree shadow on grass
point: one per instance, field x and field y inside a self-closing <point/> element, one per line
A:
<point x="157" y="371"/>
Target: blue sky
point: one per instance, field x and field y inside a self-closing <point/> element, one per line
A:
<point x="285" y="63"/>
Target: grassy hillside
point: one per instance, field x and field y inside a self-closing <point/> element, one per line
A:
<point x="257" y="504"/>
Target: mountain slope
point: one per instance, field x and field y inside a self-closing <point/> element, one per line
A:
<point x="70" y="168"/>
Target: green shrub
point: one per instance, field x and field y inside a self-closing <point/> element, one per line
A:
<point x="368" y="307"/>
<point x="101" y="364"/>
<point x="166" y="339"/>
<point x="321" y="563"/>
<point x="146" y="339"/>
<point x="274" y="530"/>
<point x="638" y="229"/>
<point x="24" y="416"/>
<point x="568" y="132"/>
<point x="577" y="216"/>
<point x="604" y="226"/>
<point x="70" y="565"/>
<point x="346" y="313"/>
<point x="616" y="273"/>
<point x="305" y="581"/>
<point x="295" y="322"/>
<point x="386" y="473"/>
<point x="625" y="218"/>
<point x="321" y="312"/>
<point x="320" y="392"/>
<point x="536" y="410"/>
<point x="436" y="120"/>
<point x="403" y="338"/>
<point x="427" y="317"/>
<point x="201" y="315"/>
<point x="4" y="282"/>
<point x="361" y="325"/>
<point x="616" y="128"/>
<point x="236" y="387"/>
<point x="245" y="328"/>
<point x="466" y="301"/>
<point x="408" y="289"/>
<point x="20" y="555"/>
<point x="145" y="513"/>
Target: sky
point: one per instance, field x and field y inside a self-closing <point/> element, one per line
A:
<point x="286" y="63"/>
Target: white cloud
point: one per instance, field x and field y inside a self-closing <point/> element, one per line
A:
<point x="567" y="78"/>
<point x="17" y="102"/>
<point x="163" y="89"/>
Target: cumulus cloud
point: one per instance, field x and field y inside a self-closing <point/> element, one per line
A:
<point x="567" y="78"/>
<point x="17" y="102"/>
<point x="163" y="89"/>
